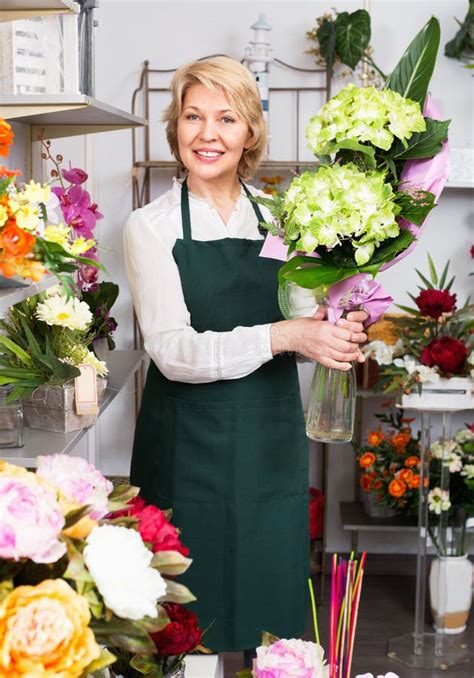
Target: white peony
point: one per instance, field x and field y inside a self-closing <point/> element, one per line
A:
<point x="464" y="435"/>
<point x="70" y="313"/>
<point x="119" y="563"/>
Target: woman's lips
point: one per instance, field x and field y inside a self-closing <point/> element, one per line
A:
<point x="207" y="155"/>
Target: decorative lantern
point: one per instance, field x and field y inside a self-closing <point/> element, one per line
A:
<point x="258" y="55"/>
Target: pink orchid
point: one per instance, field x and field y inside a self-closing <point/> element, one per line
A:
<point x="77" y="209"/>
<point x="75" y="175"/>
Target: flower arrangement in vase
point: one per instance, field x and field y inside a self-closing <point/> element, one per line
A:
<point x="32" y="241"/>
<point x="86" y="571"/>
<point x="382" y="163"/>
<point x="433" y="356"/>
<point x="389" y="467"/>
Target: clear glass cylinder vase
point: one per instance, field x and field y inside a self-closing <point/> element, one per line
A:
<point x="331" y="409"/>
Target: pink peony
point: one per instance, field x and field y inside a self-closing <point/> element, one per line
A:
<point x="78" y="481"/>
<point x="290" y="659"/>
<point x="30" y="520"/>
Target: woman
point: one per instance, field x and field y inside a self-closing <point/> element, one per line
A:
<point x="220" y="436"/>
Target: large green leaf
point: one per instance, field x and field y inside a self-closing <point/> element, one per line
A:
<point x="352" y="36"/>
<point x="413" y="72"/>
<point x="422" y="144"/>
<point x="11" y="347"/>
<point x="326" y="35"/>
<point x="415" y="207"/>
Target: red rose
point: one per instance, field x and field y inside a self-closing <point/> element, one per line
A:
<point x="447" y="353"/>
<point x="153" y="527"/>
<point x="316" y="513"/>
<point x="433" y="303"/>
<point x="181" y="635"/>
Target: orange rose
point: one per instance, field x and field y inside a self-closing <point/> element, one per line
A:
<point x="375" y="438"/>
<point x="366" y="482"/>
<point x="15" y="241"/>
<point x="367" y="459"/>
<point x="406" y="475"/>
<point x="412" y="461"/>
<point x="401" y="440"/>
<point x="6" y="137"/>
<point x="414" y="482"/>
<point x="397" y="488"/>
<point x="44" y="631"/>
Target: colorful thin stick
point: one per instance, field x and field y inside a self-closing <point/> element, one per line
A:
<point x="313" y="608"/>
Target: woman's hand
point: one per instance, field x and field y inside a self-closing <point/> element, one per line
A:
<point x="331" y="345"/>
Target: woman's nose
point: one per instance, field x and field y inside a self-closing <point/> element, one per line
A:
<point x="208" y="130"/>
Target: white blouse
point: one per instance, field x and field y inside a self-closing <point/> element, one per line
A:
<point x="179" y="351"/>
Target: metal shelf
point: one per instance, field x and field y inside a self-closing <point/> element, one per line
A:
<point x="122" y="365"/>
<point x="66" y="115"/>
<point x="266" y="164"/>
<point x="24" y="9"/>
<point x="355" y="519"/>
<point x="12" y="292"/>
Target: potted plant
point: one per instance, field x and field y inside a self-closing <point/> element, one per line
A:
<point x="43" y="341"/>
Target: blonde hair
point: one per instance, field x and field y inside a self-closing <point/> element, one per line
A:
<point x="228" y="76"/>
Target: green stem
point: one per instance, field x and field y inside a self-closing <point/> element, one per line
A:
<point x="313" y="608"/>
<point x="367" y="59"/>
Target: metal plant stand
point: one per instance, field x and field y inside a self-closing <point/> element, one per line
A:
<point x="421" y="649"/>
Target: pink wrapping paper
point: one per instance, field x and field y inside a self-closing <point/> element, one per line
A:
<point x="358" y="291"/>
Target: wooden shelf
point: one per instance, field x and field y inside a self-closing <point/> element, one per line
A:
<point x="122" y="365"/>
<point x="12" y="292"/>
<point x="24" y="9"/>
<point x="355" y="519"/>
<point x="65" y="115"/>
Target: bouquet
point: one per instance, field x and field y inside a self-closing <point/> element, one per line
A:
<point x="86" y="572"/>
<point x="32" y="240"/>
<point x="383" y="163"/>
<point x="44" y="340"/>
<point x="434" y="340"/>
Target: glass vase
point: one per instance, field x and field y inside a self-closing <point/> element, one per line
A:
<point x="331" y="409"/>
<point x="11" y="420"/>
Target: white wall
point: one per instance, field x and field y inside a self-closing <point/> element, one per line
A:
<point x="171" y="33"/>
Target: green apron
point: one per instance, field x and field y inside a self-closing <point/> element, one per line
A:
<point x="230" y="457"/>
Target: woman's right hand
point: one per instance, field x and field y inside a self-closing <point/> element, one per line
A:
<point x="319" y="340"/>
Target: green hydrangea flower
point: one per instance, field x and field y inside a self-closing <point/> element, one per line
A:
<point x="365" y="115"/>
<point x="340" y="202"/>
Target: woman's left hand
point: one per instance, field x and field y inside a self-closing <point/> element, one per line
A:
<point x="354" y="322"/>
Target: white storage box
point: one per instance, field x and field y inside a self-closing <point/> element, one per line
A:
<point x="39" y="55"/>
<point x="455" y="393"/>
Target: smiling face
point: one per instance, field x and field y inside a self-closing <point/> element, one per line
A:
<point x="212" y="136"/>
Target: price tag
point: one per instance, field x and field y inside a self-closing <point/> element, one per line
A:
<point x="86" y="391"/>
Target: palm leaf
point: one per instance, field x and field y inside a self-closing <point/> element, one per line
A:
<point x="413" y="72"/>
<point x="15" y="349"/>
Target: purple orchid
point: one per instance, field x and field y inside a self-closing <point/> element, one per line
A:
<point x="77" y="209"/>
<point x="75" y="175"/>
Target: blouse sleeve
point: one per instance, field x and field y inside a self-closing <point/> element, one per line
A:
<point x="179" y="351"/>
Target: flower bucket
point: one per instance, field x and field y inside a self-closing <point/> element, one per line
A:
<point x="52" y="408"/>
<point x="374" y="508"/>
<point x="446" y="394"/>
<point x="450" y="592"/>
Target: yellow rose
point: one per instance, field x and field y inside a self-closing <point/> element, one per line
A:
<point x="44" y="632"/>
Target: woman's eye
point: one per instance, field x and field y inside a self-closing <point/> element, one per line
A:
<point x="228" y="120"/>
<point x="192" y="116"/>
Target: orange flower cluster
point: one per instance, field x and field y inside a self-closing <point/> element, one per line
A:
<point x="6" y="137"/>
<point x="16" y="247"/>
<point x="389" y="465"/>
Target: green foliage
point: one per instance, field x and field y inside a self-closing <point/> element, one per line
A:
<point x="415" y="206"/>
<point x="422" y="144"/>
<point x="462" y="45"/>
<point x="412" y="74"/>
<point x="346" y="38"/>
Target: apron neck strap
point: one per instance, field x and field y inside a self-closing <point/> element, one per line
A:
<point x="186" y="217"/>
<point x="256" y="208"/>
